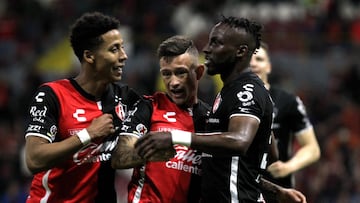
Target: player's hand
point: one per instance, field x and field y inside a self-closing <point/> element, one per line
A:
<point x="279" y="169"/>
<point x="289" y="195"/>
<point x="101" y="126"/>
<point x="153" y="143"/>
<point x="163" y="155"/>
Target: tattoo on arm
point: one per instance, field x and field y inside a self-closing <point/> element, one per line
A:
<point x="271" y="189"/>
<point x="125" y="155"/>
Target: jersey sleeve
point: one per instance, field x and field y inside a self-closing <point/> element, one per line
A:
<point x="299" y="116"/>
<point x="139" y="119"/>
<point x="43" y="114"/>
<point x="249" y="101"/>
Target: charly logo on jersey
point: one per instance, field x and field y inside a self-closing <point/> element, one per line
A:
<point x="79" y="115"/>
<point x="216" y="102"/>
<point x="170" y="116"/>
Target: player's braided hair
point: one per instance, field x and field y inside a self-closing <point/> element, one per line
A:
<point x="250" y="27"/>
<point x="85" y="33"/>
<point x="175" y="46"/>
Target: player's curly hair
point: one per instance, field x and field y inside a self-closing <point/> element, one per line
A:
<point x="175" y="46"/>
<point x="85" y="33"/>
<point x="250" y="27"/>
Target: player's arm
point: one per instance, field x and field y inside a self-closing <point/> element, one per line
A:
<point x="42" y="154"/>
<point x="241" y="132"/>
<point x="308" y="153"/>
<point x="281" y="194"/>
<point x="124" y="155"/>
<point x="42" y="151"/>
<point x="309" y="150"/>
<point x="236" y="141"/>
<point x="135" y="126"/>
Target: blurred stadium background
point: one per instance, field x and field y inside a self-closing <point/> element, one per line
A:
<point x="314" y="46"/>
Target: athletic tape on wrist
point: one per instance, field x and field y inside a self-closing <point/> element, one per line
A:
<point x="84" y="136"/>
<point x="181" y="137"/>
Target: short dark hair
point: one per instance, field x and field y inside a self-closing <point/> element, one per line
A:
<point x="251" y="27"/>
<point x="85" y="33"/>
<point x="175" y="46"/>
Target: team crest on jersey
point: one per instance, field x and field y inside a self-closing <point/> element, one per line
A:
<point x="216" y="103"/>
<point x="120" y="110"/>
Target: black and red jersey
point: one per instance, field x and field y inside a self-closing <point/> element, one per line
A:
<point x="59" y="110"/>
<point x="176" y="180"/>
<point x="290" y="118"/>
<point x="233" y="178"/>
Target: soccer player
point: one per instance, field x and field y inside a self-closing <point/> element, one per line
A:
<point x="177" y="179"/>
<point x="239" y="125"/>
<point x="73" y="122"/>
<point x="291" y="121"/>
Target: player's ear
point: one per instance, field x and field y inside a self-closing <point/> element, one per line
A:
<point x="200" y="71"/>
<point x="88" y="56"/>
<point x="242" y="50"/>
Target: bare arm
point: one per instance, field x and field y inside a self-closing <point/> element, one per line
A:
<point x="283" y="195"/>
<point x="308" y="153"/>
<point x="242" y="130"/>
<point x="42" y="155"/>
<point x="125" y="156"/>
<point x="236" y="141"/>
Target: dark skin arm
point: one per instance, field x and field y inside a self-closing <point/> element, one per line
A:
<point x="236" y="141"/>
<point x="242" y="131"/>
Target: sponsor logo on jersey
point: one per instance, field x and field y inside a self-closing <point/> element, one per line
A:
<point x="95" y="152"/>
<point x="246" y="97"/>
<point x="38" y="114"/>
<point x="170" y="117"/>
<point x="185" y="160"/>
<point x="79" y="115"/>
<point x="216" y="103"/>
<point x="33" y="128"/>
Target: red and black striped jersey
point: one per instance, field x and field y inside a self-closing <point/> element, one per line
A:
<point x="176" y="180"/>
<point x="59" y="110"/>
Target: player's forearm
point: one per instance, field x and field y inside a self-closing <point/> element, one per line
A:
<point x="41" y="155"/>
<point x="271" y="189"/>
<point x="304" y="157"/>
<point x="225" y="143"/>
<point x="125" y="156"/>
